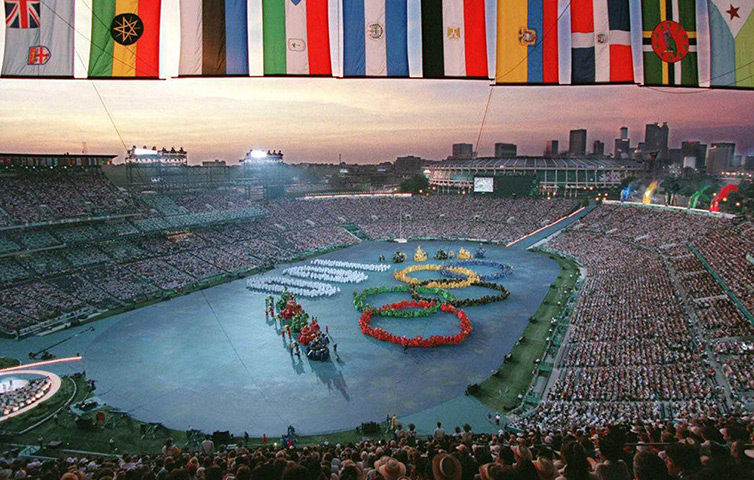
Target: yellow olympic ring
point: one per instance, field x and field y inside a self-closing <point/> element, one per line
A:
<point x="402" y="276"/>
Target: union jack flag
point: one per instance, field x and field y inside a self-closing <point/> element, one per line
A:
<point x="22" y="13"/>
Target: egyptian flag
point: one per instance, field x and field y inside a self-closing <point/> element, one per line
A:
<point x="670" y="42"/>
<point x="375" y="38"/>
<point x="296" y="37"/>
<point x="125" y="39"/>
<point x="601" y="42"/>
<point x="214" y="37"/>
<point x="454" y="39"/>
<point x="527" y="41"/>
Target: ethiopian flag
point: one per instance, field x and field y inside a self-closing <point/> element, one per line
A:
<point x="670" y="42"/>
<point x="296" y="37"/>
<point x="125" y="39"/>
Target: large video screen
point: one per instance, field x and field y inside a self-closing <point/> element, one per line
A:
<point x="484" y="184"/>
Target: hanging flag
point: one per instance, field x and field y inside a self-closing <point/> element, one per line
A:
<point x="601" y="42"/>
<point x="125" y="39"/>
<point x="670" y="42"/>
<point x="38" y="38"/>
<point x="375" y="38"/>
<point x="296" y="37"/>
<point x="454" y="39"/>
<point x="214" y="38"/>
<point x="731" y="43"/>
<point x="527" y="41"/>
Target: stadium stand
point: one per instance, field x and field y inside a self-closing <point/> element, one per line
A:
<point x="701" y="449"/>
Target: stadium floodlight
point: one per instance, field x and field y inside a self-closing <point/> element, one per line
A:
<point x="144" y="151"/>
<point x="258" y="154"/>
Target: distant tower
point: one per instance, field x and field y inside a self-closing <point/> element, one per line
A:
<point x="577" y="143"/>
<point x="551" y="150"/>
<point x="624" y="132"/>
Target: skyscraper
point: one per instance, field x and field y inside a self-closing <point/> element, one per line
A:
<point x="598" y="148"/>
<point x="622" y="147"/>
<point x="694" y="153"/>
<point x="719" y="157"/>
<point x="577" y="142"/>
<point x="622" y="144"/>
<point x="656" y="139"/>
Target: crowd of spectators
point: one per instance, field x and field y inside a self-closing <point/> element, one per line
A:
<point x="726" y="250"/>
<point x="645" y="320"/>
<point x="43" y="195"/>
<point x="702" y="449"/>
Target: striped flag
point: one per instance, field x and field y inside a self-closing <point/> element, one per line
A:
<point x="125" y="38"/>
<point x="454" y="39"/>
<point x="670" y="42"/>
<point x="38" y="38"/>
<point x="731" y="43"/>
<point x="296" y="37"/>
<point x="601" y="42"/>
<point x="375" y="38"/>
<point x="527" y="41"/>
<point x="214" y="37"/>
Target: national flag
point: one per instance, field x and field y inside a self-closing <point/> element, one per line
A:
<point x="601" y="42"/>
<point x="731" y="43"/>
<point x="22" y="13"/>
<point x="454" y="39"/>
<point x="214" y="37"/>
<point x="38" y="38"/>
<point x="375" y="38"/>
<point x="125" y="39"/>
<point x="527" y="41"/>
<point x="670" y="42"/>
<point x="296" y="37"/>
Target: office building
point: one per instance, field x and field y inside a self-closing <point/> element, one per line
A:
<point x="577" y="142"/>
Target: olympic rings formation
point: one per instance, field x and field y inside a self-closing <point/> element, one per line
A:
<point x="504" y="268"/>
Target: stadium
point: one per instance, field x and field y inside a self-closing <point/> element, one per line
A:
<point x="566" y="293"/>
<point x="144" y="302"/>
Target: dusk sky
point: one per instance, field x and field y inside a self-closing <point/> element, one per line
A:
<point x="367" y="121"/>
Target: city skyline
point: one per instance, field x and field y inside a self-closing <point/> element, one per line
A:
<point x="364" y="120"/>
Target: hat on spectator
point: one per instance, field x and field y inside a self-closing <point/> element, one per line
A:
<point x="391" y="469"/>
<point x="446" y="467"/>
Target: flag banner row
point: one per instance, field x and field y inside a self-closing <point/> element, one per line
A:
<point x="687" y="43"/>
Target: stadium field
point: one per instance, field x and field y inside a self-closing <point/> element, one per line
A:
<point x="209" y="360"/>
